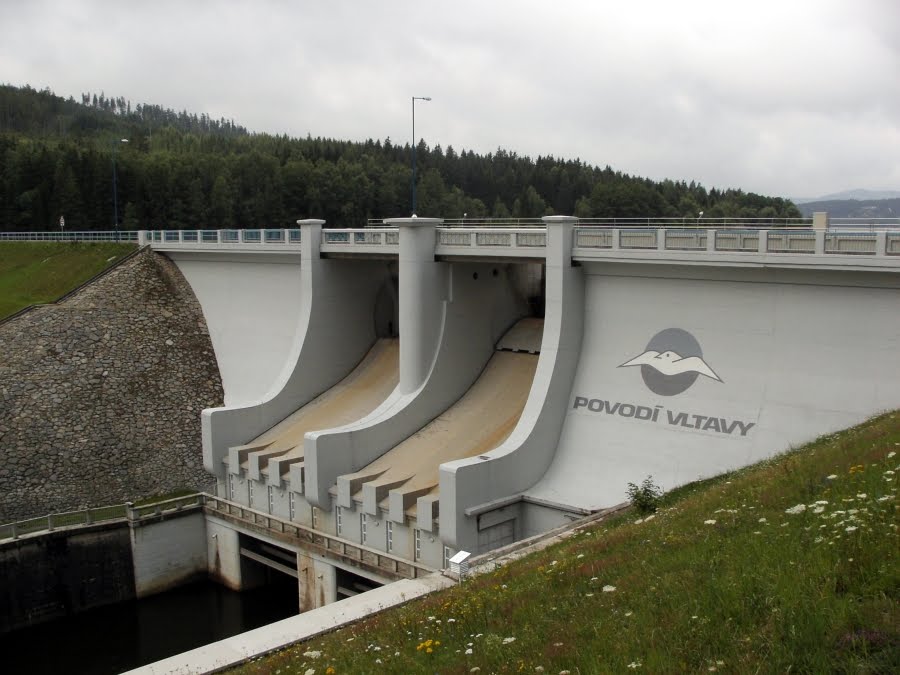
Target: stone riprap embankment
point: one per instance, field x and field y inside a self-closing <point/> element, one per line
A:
<point x="100" y="395"/>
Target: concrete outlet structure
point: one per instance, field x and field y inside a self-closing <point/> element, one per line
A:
<point x="400" y="393"/>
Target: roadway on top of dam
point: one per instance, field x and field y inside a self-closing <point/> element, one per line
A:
<point x="727" y="244"/>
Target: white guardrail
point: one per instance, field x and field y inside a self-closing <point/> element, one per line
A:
<point x="532" y="241"/>
<point x="525" y="240"/>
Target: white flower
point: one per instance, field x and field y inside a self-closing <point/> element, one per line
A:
<point x="762" y="520"/>
<point x="794" y="510"/>
<point x="378" y="661"/>
<point x="831" y="477"/>
<point x="580" y="555"/>
<point x="310" y="671"/>
<point x="861" y="495"/>
<point x="822" y="501"/>
<point x="628" y="613"/>
<point x="609" y="589"/>
<point x="554" y="562"/>
<point x="469" y="652"/>
<point x="508" y="640"/>
<point x="634" y="665"/>
<point x="818" y="509"/>
<point x="709" y="522"/>
<point x="891" y="454"/>
<point x="589" y="595"/>
<point x="852" y="528"/>
<point x="312" y="654"/>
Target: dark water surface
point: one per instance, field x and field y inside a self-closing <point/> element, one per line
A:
<point x="131" y="634"/>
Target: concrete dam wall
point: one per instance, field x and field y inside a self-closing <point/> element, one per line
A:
<point x="100" y="395"/>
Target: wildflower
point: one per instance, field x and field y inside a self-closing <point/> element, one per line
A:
<point x="469" y="652"/>
<point x="378" y="661"/>
<point x="609" y="589"/>
<point x="831" y="477"/>
<point x="709" y="522"/>
<point x="861" y="495"/>
<point x="796" y="510"/>
<point x="891" y="454"/>
<point x="451" y="620"/>
<point x="557" y="644"/>
<point x="634" y="665"/>
<point x="310" y="671"/>
<point x="589" y="595"/>
<point x="565" y="672"/>
<point x="852" y="528"/>
<point x="818" y="509"/>
<point x="312" y="654"/>
<point x="762" y="520"/>
<point x="580" y="555"/>
<point x="476" y="669"/>
<point x="508" y="640"/>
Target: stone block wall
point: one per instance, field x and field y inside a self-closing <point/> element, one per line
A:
<point x="100" y="395"/>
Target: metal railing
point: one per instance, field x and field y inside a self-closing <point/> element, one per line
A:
<point x="197" y="237"/>
<point x="124" y="236"/>
<point x="54" y="521"/>
<point x="325" y="542"/>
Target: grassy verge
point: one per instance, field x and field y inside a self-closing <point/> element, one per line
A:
<point x="789" y="565"/>
<point x="38" y="272"/>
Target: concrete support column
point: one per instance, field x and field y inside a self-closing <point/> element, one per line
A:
<point x="820" y="242"/>
<point x="422" y="289"/>
<point x="710" y="241"/>
<point x="143" y="240"/>
<point x="317" y="582"/>
<point x="820" y="220"/>
<point x="763" y="244"/>
<point x="310" y="238"/>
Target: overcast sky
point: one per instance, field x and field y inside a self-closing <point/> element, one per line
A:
<point x="795" y="98"/>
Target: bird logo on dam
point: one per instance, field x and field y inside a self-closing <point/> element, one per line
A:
<point x="672" y="362"/>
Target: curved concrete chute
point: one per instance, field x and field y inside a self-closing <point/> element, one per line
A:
<point x="336" y="329"/>
<point x="479" y="421"/>
<point x="502" y="474"/>
<point x="273" y="452"/>
<point x="477" y="304"/>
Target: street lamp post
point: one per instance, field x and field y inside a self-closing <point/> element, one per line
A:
<point x="115" y="189"/>
<point x="414" y="99"/>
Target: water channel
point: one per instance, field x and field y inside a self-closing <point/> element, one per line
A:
<point x="117" y="638"/>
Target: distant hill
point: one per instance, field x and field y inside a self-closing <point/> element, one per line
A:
<point x="846" y="195"/>
<point x="854" y="208"/>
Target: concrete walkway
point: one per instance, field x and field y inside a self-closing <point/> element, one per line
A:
<point x="237" y="649"/>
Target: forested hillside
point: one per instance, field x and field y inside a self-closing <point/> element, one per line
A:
<point x="181" y="170"/>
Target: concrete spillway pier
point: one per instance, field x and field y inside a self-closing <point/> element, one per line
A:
<point x="413" y="390"/>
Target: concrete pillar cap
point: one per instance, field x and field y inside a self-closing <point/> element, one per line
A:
<point x="311" y="221"/>
<point x="559" y="220"/>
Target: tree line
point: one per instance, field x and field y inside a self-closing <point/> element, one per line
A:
<point x="179" y="170"/>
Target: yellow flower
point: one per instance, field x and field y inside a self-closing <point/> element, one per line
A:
<point x="429" y="650"/>
<point x="330" y="670"/>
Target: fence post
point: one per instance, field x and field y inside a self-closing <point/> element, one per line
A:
<point x="50" y="523"/>
<point x="129" y="511"/>
<point x="763" y="246"/>
<point x="88" y="517"/>
<point x="15" y="531"/>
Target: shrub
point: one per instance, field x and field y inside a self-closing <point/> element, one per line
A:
<point x="646" y="497"/>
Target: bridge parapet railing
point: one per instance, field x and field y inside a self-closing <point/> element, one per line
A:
<point x="517" y="241"/>
<point x="55" y="521"/>
<point x="198" y="238"/>
<point x="806" y="241"/>
<point x="361" y="239"/>
<point x="340" y="547"/>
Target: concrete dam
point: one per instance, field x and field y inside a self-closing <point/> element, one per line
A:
<point x="401" y="393"/>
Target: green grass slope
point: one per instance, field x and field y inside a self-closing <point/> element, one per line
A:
<point x="787" y="566"/>
<point x="37" y="272"/>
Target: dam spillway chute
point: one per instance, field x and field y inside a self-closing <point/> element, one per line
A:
<point x="271" y="454"/>
<point x="480" y="420"/>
